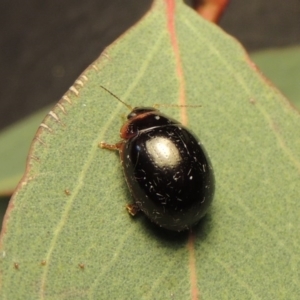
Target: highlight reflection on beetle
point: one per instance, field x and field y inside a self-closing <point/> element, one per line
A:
<point x="166" y="168"/>
<point x="163" y="152"/>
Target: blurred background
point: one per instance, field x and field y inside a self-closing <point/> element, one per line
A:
<point x="45" y="45"/>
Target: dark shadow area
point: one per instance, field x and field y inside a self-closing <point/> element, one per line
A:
<point x="3" y="206"/>
<point x="174" y="239"/>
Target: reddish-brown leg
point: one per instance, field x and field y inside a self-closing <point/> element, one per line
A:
<point x="132" y="209"/>
<point x="116" y="146"/>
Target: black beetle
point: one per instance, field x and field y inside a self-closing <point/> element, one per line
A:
<point x="166" y="168"/>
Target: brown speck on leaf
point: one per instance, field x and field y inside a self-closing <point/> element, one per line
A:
<point x="35" y="158"/>
<point x="16" y="266"/>
<point x="81" y="266"/>
<point x="67" y="192"/>
<point x="43" y="262"/>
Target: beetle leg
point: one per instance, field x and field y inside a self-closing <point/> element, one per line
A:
<point x="132" y="209"/>
<point x="116" y="146"/>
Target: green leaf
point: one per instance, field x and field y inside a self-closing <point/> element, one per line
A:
<point x="67" y="234"/>
<point x="15" y="142"/>
<point x="282" y="67"/>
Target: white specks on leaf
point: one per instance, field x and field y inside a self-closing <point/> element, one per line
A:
<point x="84" y="77"/>
<point x="54" y="115"/>
<point x="95" y="67"/>
<point x="74" y="90"/>
<point x="61" y="107"/>
<point x="79" y="82"/>
<point x="43" y="125"/>
<point x="37" y="138"/>
<point x="66" y="98"/>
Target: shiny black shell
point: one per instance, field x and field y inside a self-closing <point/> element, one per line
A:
<point x="167" y="169"/>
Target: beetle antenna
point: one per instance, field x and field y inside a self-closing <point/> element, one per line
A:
<point x="127" y="105"/>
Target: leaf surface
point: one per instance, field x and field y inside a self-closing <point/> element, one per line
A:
<point x="67" y="234"/>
